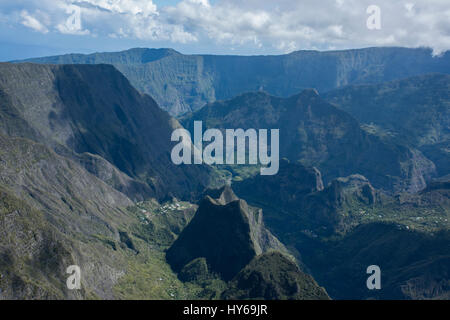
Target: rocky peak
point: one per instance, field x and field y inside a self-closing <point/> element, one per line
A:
<point x="227" y="232"/>
<point x="222" y="195"/>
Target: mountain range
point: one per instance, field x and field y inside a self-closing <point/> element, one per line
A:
<point x="181" y="83"/>
<point x="79" y="145"/>
<point x="86" y="176"/>
<point x="316" y="133"/>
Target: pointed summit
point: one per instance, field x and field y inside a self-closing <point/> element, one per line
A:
<point x="223" y="195"/>
<point x="226" y="232"/>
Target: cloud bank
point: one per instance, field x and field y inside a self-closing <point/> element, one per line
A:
<point x="281" y="26"/>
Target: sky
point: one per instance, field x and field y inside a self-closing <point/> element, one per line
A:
<point x="32" y="28"/>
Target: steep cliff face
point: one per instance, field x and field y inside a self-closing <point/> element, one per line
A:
<point x="92" y="109"/>
<point x="228" y="234"/>
<point x="181" y="83"/>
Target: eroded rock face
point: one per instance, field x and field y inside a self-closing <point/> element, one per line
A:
<point x="226" y="232"/>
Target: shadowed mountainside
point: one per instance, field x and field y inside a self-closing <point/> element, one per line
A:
<point x="273" y="276"/>
<point x="413" y="111"/>
<point x="414" y="265"/>
<point x="90" y="111"/>
<point x="342" y="228"/>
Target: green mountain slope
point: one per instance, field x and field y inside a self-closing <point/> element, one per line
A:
<point x="439" y="153"/>
<point x="57" y="185"/>
<point x="54" y="214"/>
<point x="53" y="211"/>
<point x="296" y="201"/>
<point x="181" y="83"/>
<point x="33" y="254"/>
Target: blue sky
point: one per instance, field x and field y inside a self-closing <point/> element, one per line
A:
<point x="30" y="28"/>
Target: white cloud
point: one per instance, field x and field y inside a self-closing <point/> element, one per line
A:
<point x="281" y="25"/>
<point x="134" y="7"/>
<point x="31" y="22"/>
